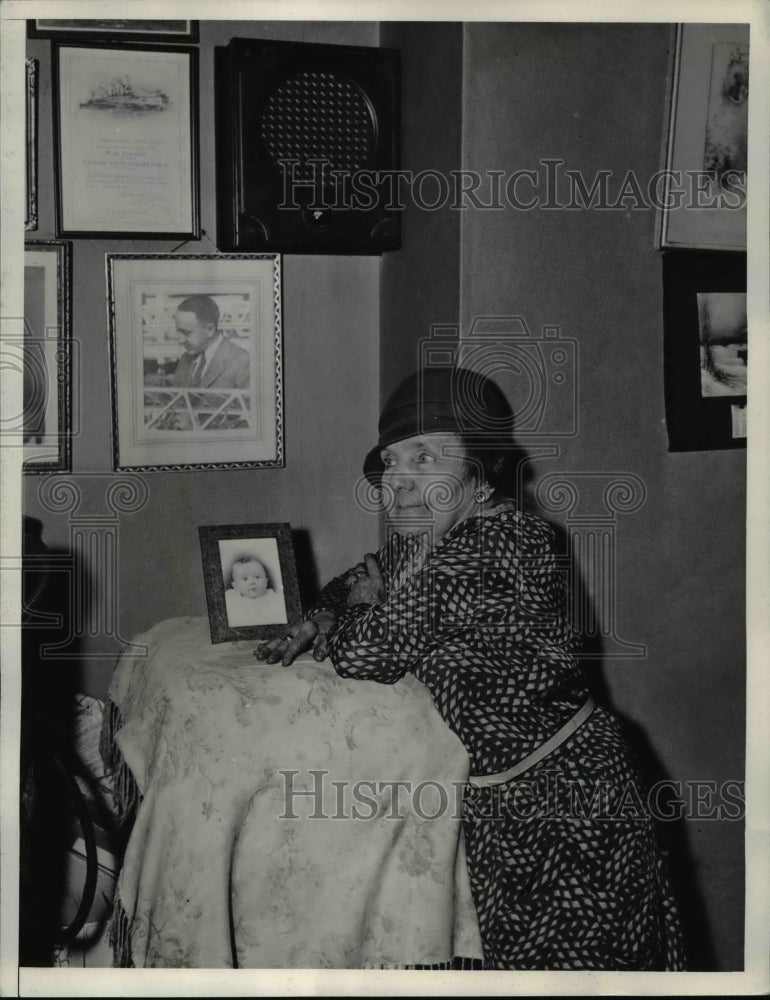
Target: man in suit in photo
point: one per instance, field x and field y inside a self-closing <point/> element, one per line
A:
<point x="209" y="360"/>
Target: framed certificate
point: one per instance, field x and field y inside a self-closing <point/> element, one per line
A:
<point x="126" y="141"/>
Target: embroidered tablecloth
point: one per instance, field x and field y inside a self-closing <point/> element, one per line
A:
<point x="287" y="817"/>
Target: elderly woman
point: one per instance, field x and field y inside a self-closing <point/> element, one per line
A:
<point x="565" y="868"/>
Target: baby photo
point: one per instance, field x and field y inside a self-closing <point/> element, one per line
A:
<point x="252" y="580"/>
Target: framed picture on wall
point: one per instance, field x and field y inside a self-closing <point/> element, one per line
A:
<point x="126" y="141"/>
<point x="30" y="109"/>
<point x="703" y="203"/>
<point x="43" y="351"/>
<point x="135" y="29"/>
<point x="197" y="365"/>
<point x="706" y="350"/>
<point x="251" y="580"/>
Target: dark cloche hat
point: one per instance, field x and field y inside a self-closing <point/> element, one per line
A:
<point x="439" y="399"/>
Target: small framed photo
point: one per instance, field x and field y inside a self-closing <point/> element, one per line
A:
<point x="30" y="109"/>
<point x="126" y="141"/>
<point x="706" y="350"/>
<point x="703" y="204"/>
<point x="197" y="365"/>
<point x="135" y="29"/>
<point x="251" y="580"/>
<point x="43" y="351"/>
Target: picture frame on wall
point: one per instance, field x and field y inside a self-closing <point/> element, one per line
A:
<point x="134" y="29"/>
<point x="250" y="576"/>
<point x="30" y="109"/>
<point x="706" y="350"/>
<point x="196" y="358"/>
<point x="703" y="203"/>
<point x="44" y="351"/>
<point x="126" y="140"/>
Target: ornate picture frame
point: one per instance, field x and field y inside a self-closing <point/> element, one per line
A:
<point x="250" y="575"/>
<point x="31" y="68"/>
<point x="197" y="365"/>
<point x="45" y="352"/>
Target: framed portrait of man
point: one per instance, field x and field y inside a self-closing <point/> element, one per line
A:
<point x="196" y="361"/>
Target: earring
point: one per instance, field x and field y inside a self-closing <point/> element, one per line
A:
<point x="480" y="495"/>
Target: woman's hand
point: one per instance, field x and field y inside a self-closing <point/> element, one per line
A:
<point x="366" y="583"/>
<point x="298" y="639"/>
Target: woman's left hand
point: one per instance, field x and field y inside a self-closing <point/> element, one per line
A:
<point x="366" y="583"/>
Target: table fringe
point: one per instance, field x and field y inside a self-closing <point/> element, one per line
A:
<point x="127" y="794"/>
<point x="120" y="936"/>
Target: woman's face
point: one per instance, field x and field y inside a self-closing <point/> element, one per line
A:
<point x="427" y="483"/>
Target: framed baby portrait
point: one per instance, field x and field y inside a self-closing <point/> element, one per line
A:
<point x="197" y="366"/>
<point x="251" y="580"/>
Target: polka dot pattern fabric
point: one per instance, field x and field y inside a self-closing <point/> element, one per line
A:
<point x="565" y="864"/>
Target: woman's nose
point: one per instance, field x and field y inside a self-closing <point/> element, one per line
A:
<point x="400" y="478"/>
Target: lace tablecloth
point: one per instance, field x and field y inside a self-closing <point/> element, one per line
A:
<point x="230" y="864"/>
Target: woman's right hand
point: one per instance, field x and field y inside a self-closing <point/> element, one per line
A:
<point x="298" y="639"/>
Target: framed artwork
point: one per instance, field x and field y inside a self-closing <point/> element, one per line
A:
<point x="196" y="349"/>
<point x="30" y="107"/>
<point x="126" y="141"/>
<point x="703" y="204"/>
<point x="251" y="580"/>
<point x="135" y="29"/>
<point x="706" y="349"/>
<point x="44" y="350"/>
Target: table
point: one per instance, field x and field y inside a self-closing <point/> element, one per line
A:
<point x="288" y="817"/>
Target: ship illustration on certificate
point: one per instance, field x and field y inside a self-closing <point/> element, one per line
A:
<point x="121" y="96"/>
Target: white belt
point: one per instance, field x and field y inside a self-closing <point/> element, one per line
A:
<point x="542" y="751"/>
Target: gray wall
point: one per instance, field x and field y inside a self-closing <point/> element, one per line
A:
<point x="673" y="583"/>
<point x="420" y="284"/>
<point x="679" y="559"/>
<point x="331" y="362"/>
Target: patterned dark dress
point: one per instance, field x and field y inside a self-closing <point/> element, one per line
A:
<point x="565" y="866"/>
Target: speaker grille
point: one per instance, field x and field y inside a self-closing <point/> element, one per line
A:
<point x="319" y="116"/>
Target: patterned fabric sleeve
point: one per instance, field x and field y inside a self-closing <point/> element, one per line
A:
<point x="485" y="574"/>
<point x="331" y="598"/>
<point x="334" y="595"/>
